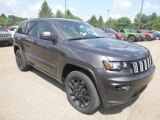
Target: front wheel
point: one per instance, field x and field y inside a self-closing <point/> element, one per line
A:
<point x="131" y="39"/>
<point x="81" y="92"/>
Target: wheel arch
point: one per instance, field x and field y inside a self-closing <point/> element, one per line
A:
<point x="69" y="67"/>
<point x="16" y="47"/>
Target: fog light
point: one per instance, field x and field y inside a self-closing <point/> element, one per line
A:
<point x="123" y="87"/>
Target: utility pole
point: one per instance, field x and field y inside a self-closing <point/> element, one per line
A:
<point x="65" y="7"/>
<point x="140" y="15"/>
<point x="108" y="16"/>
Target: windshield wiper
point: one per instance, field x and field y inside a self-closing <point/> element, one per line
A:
<point x="81" y="38"/>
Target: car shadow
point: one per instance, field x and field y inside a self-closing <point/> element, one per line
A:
<point x="49" y="79"/>
<point x="112" y="110"/>
<point x="116" y="109"/>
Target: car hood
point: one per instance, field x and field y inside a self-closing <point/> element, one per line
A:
<point x="114" y="50"/>
<point x="4" y="32"/>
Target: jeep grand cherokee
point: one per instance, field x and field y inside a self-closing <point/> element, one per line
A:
<point x="94" y="70"/>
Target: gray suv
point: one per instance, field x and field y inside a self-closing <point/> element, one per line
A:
<point x="93" y="69"/>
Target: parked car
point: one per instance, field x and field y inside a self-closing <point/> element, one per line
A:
<point x="12" y="30"/>
<point x="156" y="34"/>
<point x="5" y="28"/>
<point x="108" y="35"/>
<point x="132" y="36"/>
<point x="5" y="37"/>
<point x="93" y="69"/>
<point x="148" y="35"/>
<point x="118" y="35"/>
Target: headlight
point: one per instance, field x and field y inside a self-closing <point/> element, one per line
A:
<point x="116" y="66"/>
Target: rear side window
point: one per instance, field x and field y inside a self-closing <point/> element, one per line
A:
<point x="29" y="26"/>
<point x="22" y="28"/>
<point x="43" y="27"/>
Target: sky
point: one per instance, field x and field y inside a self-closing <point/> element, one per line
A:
<point x="81" y="8"/>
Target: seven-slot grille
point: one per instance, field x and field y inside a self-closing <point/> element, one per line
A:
<point x="4" y="35"/>
<point x="142" y="65"/>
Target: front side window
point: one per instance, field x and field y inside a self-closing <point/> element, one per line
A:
<point x="22" y="28"/>
<point x="33" y="31"/>
<point x="43" y="27"/>
<point x="72" y="30"/>
<point x="29" y="26"/>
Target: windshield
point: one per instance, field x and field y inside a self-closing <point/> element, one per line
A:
<point x="157" y="32"/>
<point x="74" y="30"/>
<point x="1" y="29"/>
<point x="133" y="31"/>
<point x="127" y="30"/>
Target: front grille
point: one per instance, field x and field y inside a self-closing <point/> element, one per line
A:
<point x="4" y="35"/>
<point x="142" y="65"/>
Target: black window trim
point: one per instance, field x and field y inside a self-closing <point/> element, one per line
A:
<point x="35" y="24"/>
<point x="51" y="30"/>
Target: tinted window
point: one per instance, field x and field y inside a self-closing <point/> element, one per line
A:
<point x="1" y="29"/>
<point x="74" y="30"/>
<point x="11" y="29"/>
<point x="22" y="28"/>
<point x="43" y="27"/>
<point x="29" y="26"/>
<point x="33" y="30"/>
<point x="122" y="31"/>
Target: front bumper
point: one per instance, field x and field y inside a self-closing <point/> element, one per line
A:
<point x="110" y="96"/>
<point x="6" y="40"/>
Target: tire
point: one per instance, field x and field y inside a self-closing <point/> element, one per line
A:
<point x="22" y="64"/>
<point x="148" y="38"/>
<point x="131" y="39"/>
<point x="81" y="92"/>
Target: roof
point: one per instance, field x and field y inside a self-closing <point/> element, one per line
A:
<point x="50" y="19"/>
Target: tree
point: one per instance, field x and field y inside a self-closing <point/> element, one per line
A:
<point x="153" y="16"/>
<point x="124" y="22"/>
<point x="156" y="24"/>
<point x="101" y="22"/>
<point x="59" y="14"/>
<point x="93" y="21"/>
<point x="114" y="23"/>
<point x="45" y="11"/>
<point x="3" y="15"/>
<point x="69" y="15"/>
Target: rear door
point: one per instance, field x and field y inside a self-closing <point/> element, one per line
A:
<point x="30" y="41"/>
<point x="21" y="35"/>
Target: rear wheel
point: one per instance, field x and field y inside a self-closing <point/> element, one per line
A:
<point x="81" y="92"/>
<point x="21" y="61"/>
<point x="131" y="39"/>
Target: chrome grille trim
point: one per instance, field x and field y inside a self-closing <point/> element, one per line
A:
<point x="142" y="65"/>
<point x="5" y="35"/>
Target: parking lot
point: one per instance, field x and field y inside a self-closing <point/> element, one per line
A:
<point x="35" y="96"/>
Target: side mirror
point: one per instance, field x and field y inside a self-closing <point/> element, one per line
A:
<point x="48" y="36"/>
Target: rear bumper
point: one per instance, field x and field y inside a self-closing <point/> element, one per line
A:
<point x="111" y="96"/>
